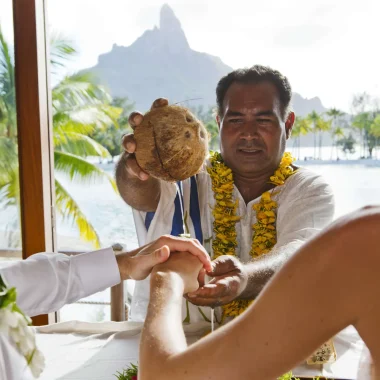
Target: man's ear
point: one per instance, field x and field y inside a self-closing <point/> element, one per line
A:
<point x="217" y="118"/>
<point x="289" y="124"/>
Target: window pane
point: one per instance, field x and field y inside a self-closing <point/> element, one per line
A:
<point x="140" y="51"/>
<point x="10" y="230"/>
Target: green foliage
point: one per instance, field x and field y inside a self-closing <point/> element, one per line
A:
<point x="319" y="125"/>
<point x="128" y="374"/>
<point x="80" y="109"/>
<point x="111" y="137"/>
<point x="207" y="117"/>
<point x="347" y="144"/>
<point x="213" y="133"/>
<point x="375" y="127"/>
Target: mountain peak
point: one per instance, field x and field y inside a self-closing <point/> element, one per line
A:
<point x="171" y="28"/>
<point x="168" y="19"/>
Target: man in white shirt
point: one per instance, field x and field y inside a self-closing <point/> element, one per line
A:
<point x="255" y="120"/>
<point x="47" y="281"/>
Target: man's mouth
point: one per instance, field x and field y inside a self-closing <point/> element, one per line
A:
<point x="250" y="150"/>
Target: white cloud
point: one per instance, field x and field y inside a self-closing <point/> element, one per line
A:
<point x="326" y="48"/>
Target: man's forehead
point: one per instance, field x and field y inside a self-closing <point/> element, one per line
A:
<point x="251" y="96"/>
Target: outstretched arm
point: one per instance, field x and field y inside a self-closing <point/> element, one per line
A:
<point x="323" y="282"/>
<point x="69" y="278"/>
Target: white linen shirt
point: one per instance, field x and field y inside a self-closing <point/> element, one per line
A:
<point x="47" y="281"/>
<point x="305" y="206"/>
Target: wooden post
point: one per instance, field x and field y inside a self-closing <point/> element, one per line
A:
<point x="34" y="132"/>
<point x="118" y="303"/>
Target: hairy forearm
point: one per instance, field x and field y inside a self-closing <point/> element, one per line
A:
<point x="263" y="268"/>
<point x="162" y="335"/>
<point x="141" y="195"/>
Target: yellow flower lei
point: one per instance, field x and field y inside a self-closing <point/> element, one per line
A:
<point x="225" y="218"/>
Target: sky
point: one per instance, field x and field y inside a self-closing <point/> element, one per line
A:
<point x="327" y="48"/>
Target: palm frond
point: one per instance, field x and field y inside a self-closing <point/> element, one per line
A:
<point x="6" y="69"/>
<point x="8" y="159"/>
<point x="80" y="170"/>
<point x="79" y="145"/>
<point x="91" y="115"/>
<point x="69" y="209"/>
<point x="78" y="90"/>
<point x="61" y="50"/>
<point x="62" y="123"/>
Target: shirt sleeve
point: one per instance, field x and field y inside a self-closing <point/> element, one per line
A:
<point x="47" y="281"/>
<point x="305" y="208"/>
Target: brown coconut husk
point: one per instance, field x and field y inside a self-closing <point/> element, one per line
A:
<point x="171" y="143"/>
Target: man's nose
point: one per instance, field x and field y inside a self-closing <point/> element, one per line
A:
<point x="250" y="130"/>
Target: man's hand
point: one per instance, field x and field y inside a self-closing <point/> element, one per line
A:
<point x="229" y="280"/>
<point x="129" y="142"/>
<point x="138" y="264"/>
<point x="184" y="264"/>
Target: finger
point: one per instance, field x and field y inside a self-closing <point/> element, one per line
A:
<point x="129" y="143"/>
<point x="134" y="169"/>
<point x="189" y="245"/>
<point x="135" y="119"/>
<point x="141" y="266"/>
<point x="223" y="265"/>
<point x="160" y="102"/>
<point x="147" y="262"/>
<point x="210" y="290"/>
<point x="211" y="302"/>
<point x="201" y="277"/>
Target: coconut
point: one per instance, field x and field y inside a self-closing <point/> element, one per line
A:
<point x="171" y="143"/>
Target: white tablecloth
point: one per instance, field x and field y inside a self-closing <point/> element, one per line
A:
<point x="96" y="351"/>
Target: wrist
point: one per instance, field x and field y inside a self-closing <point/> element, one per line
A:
<point x="124" y="264"/>
<point x="244" y="289"/>
<point x="169" y="281"/>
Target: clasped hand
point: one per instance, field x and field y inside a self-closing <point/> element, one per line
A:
<point x="229" y="278"/>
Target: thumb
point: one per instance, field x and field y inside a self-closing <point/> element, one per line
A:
<point x="221" y="266"/>
<point x="160" y="255"/>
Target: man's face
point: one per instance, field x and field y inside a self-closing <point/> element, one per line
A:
<point x="252" y="132"/>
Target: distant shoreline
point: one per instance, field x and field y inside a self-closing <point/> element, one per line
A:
<point x="302" y="162"/>
<point x="359" y="162"/>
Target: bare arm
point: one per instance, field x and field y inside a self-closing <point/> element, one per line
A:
<point x="262" y="269"/>
<point x="142" y="195"/>
<point x="271" y="338"/>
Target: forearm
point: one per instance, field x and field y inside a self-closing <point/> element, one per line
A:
<point x="263" y="268"/>
<point x="162" y="335"/>
<point x="141" y="195"/>
<point x="65" y="279"/>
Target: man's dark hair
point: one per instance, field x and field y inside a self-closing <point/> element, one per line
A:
<point x="254" y="75"/>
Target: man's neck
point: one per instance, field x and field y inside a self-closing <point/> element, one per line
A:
<point x="251" y="188"/>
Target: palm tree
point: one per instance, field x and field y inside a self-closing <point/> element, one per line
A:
<point x="301" y="127"/>
<point x="334" y="114"/>
<point x="322" y="126"/>
<point x="314" y="119"/>
<point x="79" y="108"/>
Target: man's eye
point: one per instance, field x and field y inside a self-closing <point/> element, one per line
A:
<point x="236" y="120"/>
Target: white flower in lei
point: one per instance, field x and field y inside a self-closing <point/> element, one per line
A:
<point x="16" y="326"/>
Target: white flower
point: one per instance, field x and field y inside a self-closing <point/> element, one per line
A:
<point x="37" y="363"/>
<point x="15" y="325"/>
<point x="4" y="327"/>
